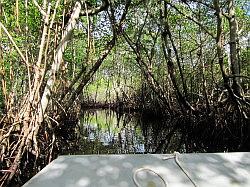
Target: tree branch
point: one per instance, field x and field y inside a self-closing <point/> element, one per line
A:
<point x="203" y="3"/>
<point x="192" y="19"/>
<point x="95" y="10"/>
<point x="14" y="43"/>
<point x="241" y="76"/>
<point x="39" y="8"/>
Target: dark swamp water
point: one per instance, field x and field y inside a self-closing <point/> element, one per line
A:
<point x="109" y="132"/>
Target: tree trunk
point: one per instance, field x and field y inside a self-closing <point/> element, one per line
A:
<point x="58" y="60"/>
<point x="166" y="32"/>
<point x="235" y="68"/>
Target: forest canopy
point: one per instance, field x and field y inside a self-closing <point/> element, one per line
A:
<point x="177" y="58"/>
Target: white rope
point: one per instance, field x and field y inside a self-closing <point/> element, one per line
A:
<point x="175" y="157"/>
<point x="147" y="169"/>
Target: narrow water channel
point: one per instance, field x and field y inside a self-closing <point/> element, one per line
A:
<point x="109" y="132"/>
<point x="105" y="131"/>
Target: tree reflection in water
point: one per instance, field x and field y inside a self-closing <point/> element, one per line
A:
<point x="108" y="132"/>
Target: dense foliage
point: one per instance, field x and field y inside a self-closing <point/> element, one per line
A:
<point x="188" y="59"/>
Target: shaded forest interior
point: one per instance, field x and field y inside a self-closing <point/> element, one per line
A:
<point x="184" y="63"/>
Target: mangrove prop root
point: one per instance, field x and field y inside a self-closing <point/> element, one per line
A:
<point x="16" y="151"/>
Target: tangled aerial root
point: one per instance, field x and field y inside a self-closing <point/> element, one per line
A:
<point x="16" y="140"/>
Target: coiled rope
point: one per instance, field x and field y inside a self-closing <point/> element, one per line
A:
<point x="175" y="157"/>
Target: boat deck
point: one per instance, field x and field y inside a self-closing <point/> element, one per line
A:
<point x="180" y="170"/>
